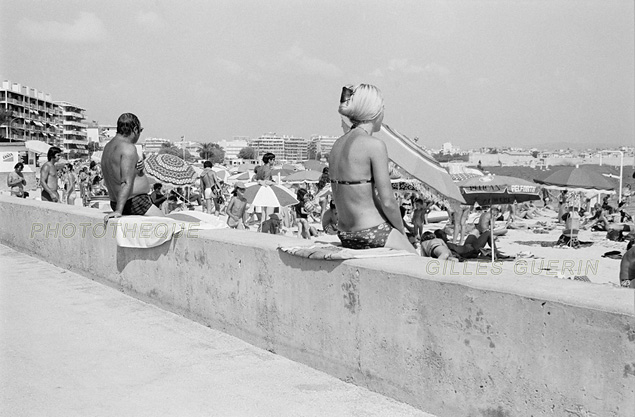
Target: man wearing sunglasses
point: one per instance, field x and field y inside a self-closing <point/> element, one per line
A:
<point x="127" y="185"/>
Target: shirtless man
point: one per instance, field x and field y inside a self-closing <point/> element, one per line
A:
<point x="48" y="176"/>
<point x="127" y="185"/>
<point x="211" y="189"/>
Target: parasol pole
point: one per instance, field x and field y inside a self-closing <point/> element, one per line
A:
<point x="491" y="231"/>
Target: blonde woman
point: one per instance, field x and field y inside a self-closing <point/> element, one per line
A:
<point x="368" y="214"/>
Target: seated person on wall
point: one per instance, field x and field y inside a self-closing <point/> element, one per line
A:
<point x="329" y="220"/>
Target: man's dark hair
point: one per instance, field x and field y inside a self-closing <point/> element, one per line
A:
<point x="268" y="157"/>
<point x="157" y="185"/>
<point x="127" y="123"/>
<point x="427" y="236"/>
<point x="53" y="150"/>
<point x="207" y="164"/>
<point x="19" y="165"/>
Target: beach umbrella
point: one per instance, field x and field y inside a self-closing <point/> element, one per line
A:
<point x="37" y="146"/>
<point x="269" y="196"/>
<point x="314" y="165"/>
<point x="289" y="167"/>
<point x="578" y="179"/>
<point x="411" y="158"/>
<point x="169" y="169"/>
<point x="244" y="168"/>
<point x="303" y="176"/>
<point x="241" y="176"/>
<point x="497" y="189"/>
<point x="404" y="184"/>
<point x="282" y="171"/>
<point x="221" y="173"/>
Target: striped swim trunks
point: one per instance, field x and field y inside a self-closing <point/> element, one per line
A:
<point x="137" y="205"/>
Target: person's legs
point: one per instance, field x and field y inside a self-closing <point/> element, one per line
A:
<point x="397" y="240"/>
<point x="71" y="198"/>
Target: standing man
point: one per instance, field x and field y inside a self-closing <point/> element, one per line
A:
<point x="48" y="176"/>
<point x="264" y="173"/>
<point x="124" y="178"/>
<point x="211" y="188"/>
<point x="16" y="181"/>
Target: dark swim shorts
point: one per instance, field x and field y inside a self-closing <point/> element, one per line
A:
<point x="373" y="237"/>
<point x="135" y="206"/>
<point x="46" y="196"/>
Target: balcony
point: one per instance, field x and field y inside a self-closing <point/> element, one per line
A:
<point x="78" y="133"/>
<point x="67" y="113"/>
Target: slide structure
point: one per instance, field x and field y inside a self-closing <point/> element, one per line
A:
<point x="411" y="158"/>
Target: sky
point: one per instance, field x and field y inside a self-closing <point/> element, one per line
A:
<point x="475" y="73"/>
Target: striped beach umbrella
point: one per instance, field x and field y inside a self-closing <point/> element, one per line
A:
<point x="269" y="196"/>
<point x="169" y="169"/>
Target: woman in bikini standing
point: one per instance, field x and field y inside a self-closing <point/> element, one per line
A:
<point x="368" y="214"/>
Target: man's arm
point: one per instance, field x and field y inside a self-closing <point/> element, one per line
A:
<point x="128" y="171"/>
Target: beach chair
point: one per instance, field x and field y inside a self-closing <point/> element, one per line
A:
<point x="572" y="229"/>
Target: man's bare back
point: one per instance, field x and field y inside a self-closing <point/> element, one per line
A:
<point x="128" y="187"/>
<point x="119" y="157"/>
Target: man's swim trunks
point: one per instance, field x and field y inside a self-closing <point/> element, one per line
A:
<point x="46" y="196"/>
<point x="373" y="237"/>
<point x="135" y="206"/>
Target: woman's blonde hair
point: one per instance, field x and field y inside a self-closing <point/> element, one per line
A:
<point x="361" y="103"/>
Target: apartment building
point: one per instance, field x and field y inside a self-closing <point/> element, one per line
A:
<point x="269" y="142"/>
<point x="320" y="146"/>
<point x="74" y="136"/>
<point x="153" y="145"/>
<point x="194" y="148"/>
<point x="232" y="147"/>
<point x="295" y="149"/>
<point x="34" y="115"/>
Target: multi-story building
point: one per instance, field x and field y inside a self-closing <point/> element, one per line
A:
<point x="232" y="147"/>
<point x="33" y="114"/>
<point x="320" y="146"/>
<point x="153" y="145"/>
<point x="286" y="148"/>
<point x="74" y="135"/>
<point x="194" y="148"/>
<point x="295" y="149"/>
<point x="269" y="142"/>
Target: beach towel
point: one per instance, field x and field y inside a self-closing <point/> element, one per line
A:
<point x="330" y="251"/>
<point x="144" y="231"/>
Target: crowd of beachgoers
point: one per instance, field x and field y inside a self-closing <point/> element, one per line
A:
<point x="600" y="231"/>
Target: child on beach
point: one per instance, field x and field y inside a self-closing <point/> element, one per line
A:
<point x="419" y="218"/>
<point x="237" y="208"/>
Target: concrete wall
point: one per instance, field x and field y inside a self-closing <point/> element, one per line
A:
<point x="451" y="345"/>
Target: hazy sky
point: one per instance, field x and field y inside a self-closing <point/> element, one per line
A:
<point x="473" y="72"/>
